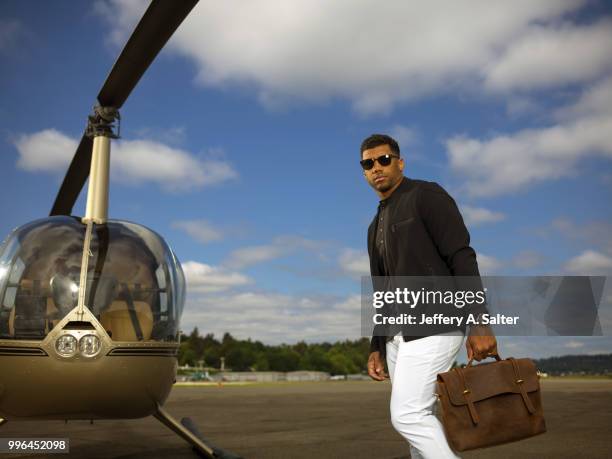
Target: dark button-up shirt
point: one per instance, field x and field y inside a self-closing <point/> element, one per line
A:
<point x="382" y="228"/>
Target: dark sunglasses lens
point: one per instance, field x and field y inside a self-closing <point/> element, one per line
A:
<point x="384" y="160"/>
<point x="367" y="164"/>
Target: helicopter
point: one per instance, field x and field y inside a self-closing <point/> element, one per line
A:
<point x="90" y="307"/>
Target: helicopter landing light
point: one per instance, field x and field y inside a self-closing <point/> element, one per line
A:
<point x="78" y="343"/>
<point x="89" y="345"/>
<point x="66" y="345"/>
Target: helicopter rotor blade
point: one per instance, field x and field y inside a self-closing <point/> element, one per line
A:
<point x="155" y="28"/>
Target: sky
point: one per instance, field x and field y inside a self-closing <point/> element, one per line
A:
<point x="240" y="145"/>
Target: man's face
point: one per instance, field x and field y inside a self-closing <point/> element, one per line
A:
<point x="383" y="178"/>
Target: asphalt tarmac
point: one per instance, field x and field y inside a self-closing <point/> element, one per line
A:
<point x="340" y="419"/>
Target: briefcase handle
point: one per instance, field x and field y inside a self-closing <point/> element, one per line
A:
<point x="497" y="357"/>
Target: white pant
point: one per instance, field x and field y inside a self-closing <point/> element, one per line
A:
<point x="413" y="367"/>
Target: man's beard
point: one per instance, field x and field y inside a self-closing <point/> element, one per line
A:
<point x="384" y="186"/>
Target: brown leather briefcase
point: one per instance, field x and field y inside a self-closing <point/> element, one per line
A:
<point x="491" y="403"/>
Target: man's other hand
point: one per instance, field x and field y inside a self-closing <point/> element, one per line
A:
<point x="481" y="343"/>
<point x="376" y="367"/>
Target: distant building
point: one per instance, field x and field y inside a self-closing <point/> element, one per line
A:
<point x="357" y="377"/>
<point x="272" y="376"/>
<point x="252" y="376"/>
<point x="307" y="376"/>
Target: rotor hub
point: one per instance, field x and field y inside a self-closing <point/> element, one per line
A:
<point x="102" y="122"/>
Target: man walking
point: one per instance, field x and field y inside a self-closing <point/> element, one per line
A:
<point x="417" y="231"/>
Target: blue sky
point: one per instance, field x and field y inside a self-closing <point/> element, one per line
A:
<point x="241" y="143"/>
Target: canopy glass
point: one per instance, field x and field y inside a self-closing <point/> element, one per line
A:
<point x="135" y="285"/>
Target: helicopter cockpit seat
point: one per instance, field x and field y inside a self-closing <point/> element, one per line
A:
<point x="34" y="313"/>
<point x="125" y="322"/>
<point x="127" y="319"/>
<point x="30" y="312"/>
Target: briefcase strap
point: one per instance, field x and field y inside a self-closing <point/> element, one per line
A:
<point x="468" y="397"/>
<point x="467" y="393"/>
<point x="519" y="381"/>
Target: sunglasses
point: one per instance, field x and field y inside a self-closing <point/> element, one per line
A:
<point x="383" y="160"/>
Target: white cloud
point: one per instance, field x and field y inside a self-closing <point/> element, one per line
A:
<point x="247" y="256"/>
<point x="201" y="278"/>
<point x="124" y="23"/>
<point x="574" y="344"/>
<point x="174" y="136"/>
<point x="138" y="161"/>
<point x="351" y="303"/>
<point x="280" y="247"/>
<point x="274" y="318"/>
<point x="355" y="263"/>
<point x="513" y="162"/>
<point x="589" y="262"/>
<point x="132" y="161"/>
<point x="48" y="151"/>
<point x="596" y="100"/>
<point x="487" y="265"/>
<point x="546" y="56"/>
<point x="366" y="51"/>
<point x="475" y="216"/>
<point x="200" y="230"/>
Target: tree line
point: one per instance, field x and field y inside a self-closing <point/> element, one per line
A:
<point x="599" y="364"/>
<point x="344" y="357"/>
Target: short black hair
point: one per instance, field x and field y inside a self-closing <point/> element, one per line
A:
<point x="376" y="140"/>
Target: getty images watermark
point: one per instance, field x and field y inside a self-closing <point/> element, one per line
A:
<point x="511" y="306"/>
<point x="411" y="299"/>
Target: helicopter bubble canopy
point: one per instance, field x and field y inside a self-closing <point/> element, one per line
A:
<point x="135" y="286"/>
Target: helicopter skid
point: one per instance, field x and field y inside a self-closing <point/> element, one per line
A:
<point x="190" y="433"/>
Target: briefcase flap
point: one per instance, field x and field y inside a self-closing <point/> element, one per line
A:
<point x="490" y="379"/>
